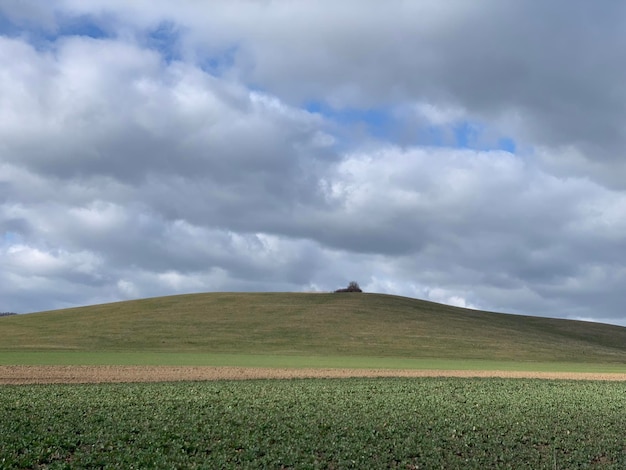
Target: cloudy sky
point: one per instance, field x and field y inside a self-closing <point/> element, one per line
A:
<point x="470" y="153"/>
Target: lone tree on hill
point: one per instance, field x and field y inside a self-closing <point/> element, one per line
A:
<point x="352" y="287"/>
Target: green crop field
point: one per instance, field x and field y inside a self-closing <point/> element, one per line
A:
<point x="316" y="423"/>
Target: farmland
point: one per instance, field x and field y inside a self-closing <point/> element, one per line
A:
<point x="296" y="329"/>
<point x="316" y="423"/>
<point x="177" y="404"/>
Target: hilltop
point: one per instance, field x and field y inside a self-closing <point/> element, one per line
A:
<point x="312" y="324"/>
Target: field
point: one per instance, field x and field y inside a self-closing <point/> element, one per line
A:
<point x="316" y="423"/>
<point x="23" y="375"/>
<point x="308" y="381"/>
<point x="288" y="325"/>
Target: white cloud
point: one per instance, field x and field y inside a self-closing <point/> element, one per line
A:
<point x="127" y="289"/>
<point x="444" y="296"/>
<point x="132" y="168"/>
<point x="439" y="115"/>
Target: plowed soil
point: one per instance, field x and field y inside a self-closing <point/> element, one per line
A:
<point x="104" y="374"/>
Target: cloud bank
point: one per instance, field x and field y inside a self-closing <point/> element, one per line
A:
<point x="469" y="154"/>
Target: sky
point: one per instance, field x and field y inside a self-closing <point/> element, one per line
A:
<point x="468" y="153"/>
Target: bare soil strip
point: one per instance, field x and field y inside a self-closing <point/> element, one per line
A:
<point x="120" y="374"/>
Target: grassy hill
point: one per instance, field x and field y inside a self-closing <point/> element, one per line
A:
<point x="312" y="324"/>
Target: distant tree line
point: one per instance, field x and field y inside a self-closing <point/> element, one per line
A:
<point x="352" y="287"/>
<point x="6" y="314"/>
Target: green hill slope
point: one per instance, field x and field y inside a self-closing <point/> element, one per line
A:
<point x="312" y="324"/>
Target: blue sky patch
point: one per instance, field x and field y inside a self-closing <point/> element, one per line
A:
<point x="41" y="37"/>
<point x="165" y="38"/>
<point x="476" y="136"/>
<point x="466" y="135"/>
<point x="377" y="122"/>
<point x="8" y="28"/>
<point x="220" y="62"/>
<point x="81" y="26"/>
<point x="10" y="237"/>
<point x="384" y="124"/>
<point x="507" y="144"/>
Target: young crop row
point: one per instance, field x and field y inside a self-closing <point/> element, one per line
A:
<point x="316" y="423"/>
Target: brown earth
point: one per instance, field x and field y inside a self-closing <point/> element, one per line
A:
<point x="104" y="374"/>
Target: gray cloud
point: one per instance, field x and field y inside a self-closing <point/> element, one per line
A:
<point x="128" y="169"/>
<point x="546" y="74"/>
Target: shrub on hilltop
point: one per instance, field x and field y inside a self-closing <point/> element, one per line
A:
<point x="352" y="287"/>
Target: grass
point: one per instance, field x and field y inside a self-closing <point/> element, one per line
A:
<point x="290" y="361"/>
<point x="286" y="328"/>
<point x="309" y="424"/>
